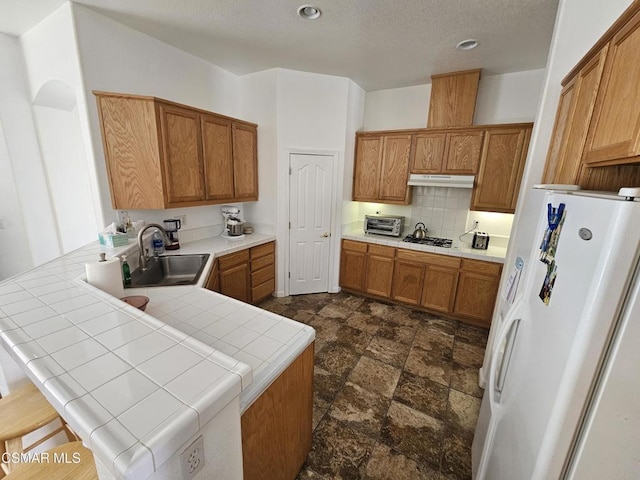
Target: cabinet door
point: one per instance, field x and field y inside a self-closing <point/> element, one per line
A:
<point x="366" y="173"/>
<point x="439" y="291"/>
<point x="566" y="150"/>
<point x="501" y="169"/>
<point x="614" y="133"/>
<point x="463" y="152"/>
<point x="352" y="261"/>
<point x="560" y="132"/>
<point x="217" y="156"/>
<point x="234" y="282"/>
<point x="408" y="278"/>
<point x="213" y="282"/>
<point x="427" y="152"/>
<point x="394" y="173"/>
<point x="184" y="176"/>
<point x="379" y="270"/>
<point x="476" y="296"/>
<point x="245" y="162"/>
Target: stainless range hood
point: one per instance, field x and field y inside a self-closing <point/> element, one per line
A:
<point x="449" y="181"/>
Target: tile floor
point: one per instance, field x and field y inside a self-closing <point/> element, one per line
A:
<point x="396" y="390"/>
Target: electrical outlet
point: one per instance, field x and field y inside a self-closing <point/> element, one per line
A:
<point x="192" y="459"/>
<point x="476" y="224"/>
<point x="183" y="220"/>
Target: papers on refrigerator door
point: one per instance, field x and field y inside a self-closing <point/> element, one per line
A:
<point x="511" y="285"/>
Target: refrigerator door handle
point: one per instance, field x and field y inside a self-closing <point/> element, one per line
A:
<point x="506" y="356"/>
<point x="492" y="381"/>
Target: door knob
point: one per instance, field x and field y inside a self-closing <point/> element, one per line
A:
<point x="326" y="234"/>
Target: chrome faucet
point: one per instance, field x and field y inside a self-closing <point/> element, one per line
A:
<point x="143" y="256"/>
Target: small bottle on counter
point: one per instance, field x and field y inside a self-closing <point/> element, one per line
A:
<point x="126" y="271"/>
<point x="158" y="244"/>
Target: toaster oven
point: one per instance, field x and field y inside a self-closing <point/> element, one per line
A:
<point x="390" y="225"/>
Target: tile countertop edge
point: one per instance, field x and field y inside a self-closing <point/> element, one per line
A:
<point x="492" y="254"/>
<point x="67" y="274"/>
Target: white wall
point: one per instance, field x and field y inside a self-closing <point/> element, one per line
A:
<point x="507" y="98"/>
<point x="116" y="58"/>
<point x="30" y="199"/>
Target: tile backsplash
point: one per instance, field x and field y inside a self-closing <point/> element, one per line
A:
<point x="443" y="210"/>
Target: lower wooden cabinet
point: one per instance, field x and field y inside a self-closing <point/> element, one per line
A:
<point x="247" y="275"/>
<point x="352" y="263"/>
<point x="477" y="291"/>
<point x="463" y="288"/>
<point x="379" y="271"/>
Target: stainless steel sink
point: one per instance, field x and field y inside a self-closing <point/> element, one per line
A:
<point x="170" y="270"/>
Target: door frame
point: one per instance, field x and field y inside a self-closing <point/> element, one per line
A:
<point x="336" y="216"/>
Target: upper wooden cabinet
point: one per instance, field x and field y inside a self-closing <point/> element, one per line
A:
<point x="501" y="166"/>
<point x="446" y="152"/>
<point x="381" y="168"/>
<point x="453" y="99"/>
<point x="614" y="133"/>
<point x="161" y="154"/>
<point x="576" y="104"/>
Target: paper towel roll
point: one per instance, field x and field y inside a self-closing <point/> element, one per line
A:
<point x="107" y="276"/>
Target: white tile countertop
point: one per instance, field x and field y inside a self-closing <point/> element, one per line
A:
<point x="137" y="385"/>
<point x="492" y="254"/>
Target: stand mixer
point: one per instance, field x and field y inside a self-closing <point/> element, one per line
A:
<point x="233" y="225"/>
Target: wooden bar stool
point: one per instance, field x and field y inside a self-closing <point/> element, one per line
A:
<point x="23" y="411"/>
<point x="70" y="461"/>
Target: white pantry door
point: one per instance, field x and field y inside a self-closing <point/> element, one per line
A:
<point x="311" y="191"/>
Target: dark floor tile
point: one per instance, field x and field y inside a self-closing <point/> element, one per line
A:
<point x="326" y="385"/>
<point x="463" y="410"/>
<point x="465" y="379"/>
<point x="444" y="325"/>
<point x="332" y="310"/>
<point x="347" y="300"/>
<point x="422" y="394"/>
<point x="307" y="474"/>
<point x="356" y="339"/>
<point x="339" y="452"/>
<point x="386" y="464"/>
<point x="272" y="305"/>
<point x="388" y="351"/>
<point x="375" y="376"/>
<point x="376" y="308"/>
<point x="337" y="359"/>
<point x="401" y="316"/>
<point x="424" y="364"/>
<point x="413" y="433"/>
<point x="473" y="335"/>
<point x="397" y="333"/>
<point x="360" y="409"/>
<point x="304" y="316"/>
<point x="456" y="458"/>
<point x="320" y="408"/>
<point x="436" y="342"/>
<point x="326" y="328"/>
<point x="365" y="322"/>
<point x="468" y="355"/>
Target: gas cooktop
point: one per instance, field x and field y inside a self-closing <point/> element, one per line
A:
<point x="433" y="241"/>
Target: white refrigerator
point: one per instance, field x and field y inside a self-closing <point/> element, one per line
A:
<point x="562" y="399"/>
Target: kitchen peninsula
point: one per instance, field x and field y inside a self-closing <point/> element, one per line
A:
<point x="139" y="387"/>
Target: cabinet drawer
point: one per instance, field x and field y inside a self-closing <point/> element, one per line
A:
<point x="263" y="290"/>
<point x="382" y="251"/>
<point x="262" y="275"/>
<point x="354" y="246"/>
<point x="478" y="266"/>
<point x="262" y="262"/>
<point x="430" y="258"/>
<point x="232" y="259"/>
<point x="263" y="250"/>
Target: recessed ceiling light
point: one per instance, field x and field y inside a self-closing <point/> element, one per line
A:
<point x="309" y="12"/>
<point x="469" y="44"/>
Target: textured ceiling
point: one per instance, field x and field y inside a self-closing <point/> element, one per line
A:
<point x="379" y="44"/>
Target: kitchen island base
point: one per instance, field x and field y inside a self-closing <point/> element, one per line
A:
<point x="276" y="428"/>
